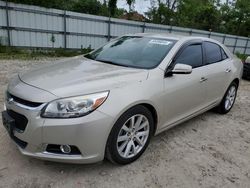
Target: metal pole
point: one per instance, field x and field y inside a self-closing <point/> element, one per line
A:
<point x="245" y="50"/>
<point x="7" y="21"/>
<point x="190" y="32"/>
<point x="235" y="44"/>
<point x="143" y="27"/>
<point x="170" y="29"/>
<point x="65" y="29"/>
<point x="224" y="38"/>
<point x="109" y="20"/>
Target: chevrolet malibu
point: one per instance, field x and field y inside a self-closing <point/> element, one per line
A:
<point x="110" y="102"/>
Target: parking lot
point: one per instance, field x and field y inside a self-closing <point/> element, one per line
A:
<point x="210" y="150"/>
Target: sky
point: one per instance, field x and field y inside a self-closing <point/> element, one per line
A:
<point x="140" y="6"/>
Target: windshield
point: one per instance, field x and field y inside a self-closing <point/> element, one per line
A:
<point x="133" y="51"/>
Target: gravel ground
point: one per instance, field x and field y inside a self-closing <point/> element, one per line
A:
<point x="210" y="150"/>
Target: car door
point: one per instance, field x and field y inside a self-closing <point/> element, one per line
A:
<point x="184" y="94"/>
<point x="217" y="73"/>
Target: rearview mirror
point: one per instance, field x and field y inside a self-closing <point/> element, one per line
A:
<point x="180" y="69"/>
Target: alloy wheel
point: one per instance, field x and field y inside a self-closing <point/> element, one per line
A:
<point x="133" y="136"/>
<point x="230" y="98"/>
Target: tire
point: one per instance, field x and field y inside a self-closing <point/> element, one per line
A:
<point x="133" y="140"/>
<point x="223" y="108"/>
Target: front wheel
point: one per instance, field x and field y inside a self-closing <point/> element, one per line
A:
<point x="228" y="99"/>
<point x="130" y="135"/>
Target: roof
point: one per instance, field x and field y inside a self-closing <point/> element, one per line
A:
<point x="172" y="36"/>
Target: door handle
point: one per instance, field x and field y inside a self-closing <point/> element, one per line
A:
<point x="228" y="70"/>
<point x="203" y="79"/>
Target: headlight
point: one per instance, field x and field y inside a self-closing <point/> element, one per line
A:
<point x="74" y="106"/>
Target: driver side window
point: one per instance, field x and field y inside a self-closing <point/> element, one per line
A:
<point x="191" y="55"/>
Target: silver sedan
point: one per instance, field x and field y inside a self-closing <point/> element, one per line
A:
<point x="110" y="102"/>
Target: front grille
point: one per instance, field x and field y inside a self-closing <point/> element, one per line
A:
<point x="22" y="101"/>
<point x="22" y="144"/>
<point x="20" y="120"/>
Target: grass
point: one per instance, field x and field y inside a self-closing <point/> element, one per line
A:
<point x="241" y="56"/>
<point x="37" y="53"/>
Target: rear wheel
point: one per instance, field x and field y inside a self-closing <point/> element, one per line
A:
<point x="228" y="99"/>
<point x="130" y="135"/>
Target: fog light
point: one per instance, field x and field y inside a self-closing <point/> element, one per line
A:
<point x="65" y="149"/>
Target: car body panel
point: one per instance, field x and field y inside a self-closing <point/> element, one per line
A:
<point x="217" y="75"/>
<point x="83" y="76"/>
<point x="183" y="95"/>
<point x="28" y="92"/>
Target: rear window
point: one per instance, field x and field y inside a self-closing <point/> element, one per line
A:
<point x="223" y="54"/>
<point x="214" y="53"/>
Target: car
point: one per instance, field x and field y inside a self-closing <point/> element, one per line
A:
<point x="246" y="68"/>
<point x="110" y="102"/>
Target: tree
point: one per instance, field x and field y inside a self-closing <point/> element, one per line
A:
<point x="112" y="7"/>
<point x="198" y="14"/>
<point x="236" y="18"/>
<point x="207" y="18"/>
<point x="242" y="12"/>
<point x="59" y="4"/>
<point x="227" y="16"/>
<point x="87" y="6"/>
<point x="161" y="14"/>
<point x="130" y="3"/>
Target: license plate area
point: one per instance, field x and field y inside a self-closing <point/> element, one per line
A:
<point x="8" y="122"/>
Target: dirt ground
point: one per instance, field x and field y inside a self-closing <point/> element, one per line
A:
<point x="210" y="150"/>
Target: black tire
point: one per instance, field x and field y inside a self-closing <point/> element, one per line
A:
<point x="221" y="108"/>
<point x="112" y="153"/>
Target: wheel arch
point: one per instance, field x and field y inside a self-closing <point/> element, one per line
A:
<point x="153" y="111"/>
<point x="237" y="81"/>
<point x="146" y="104"/>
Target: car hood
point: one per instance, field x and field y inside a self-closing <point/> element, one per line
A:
<point x="80" y="75"/>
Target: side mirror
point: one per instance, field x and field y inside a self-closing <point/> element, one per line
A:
<point x="180" y="69"/>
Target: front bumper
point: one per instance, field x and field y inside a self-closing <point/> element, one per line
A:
<point x="89" y="134"/>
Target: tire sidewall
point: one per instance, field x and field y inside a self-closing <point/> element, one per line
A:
<point x="112" y="140"/>
<point x="222" y="106"/>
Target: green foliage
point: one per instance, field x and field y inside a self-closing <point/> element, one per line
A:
<point x="243" y="57"/>
<point x="161" y="14"/>
<point x="112" y="7"/>
<point x="84" y="6"/>
<point x="209" y="15"/>
<point x="88" y="6"/>
<point x="61" y="4"/>
<point x="17" y="53"/>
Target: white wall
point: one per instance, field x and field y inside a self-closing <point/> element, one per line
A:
<point x="32" y="26"/>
